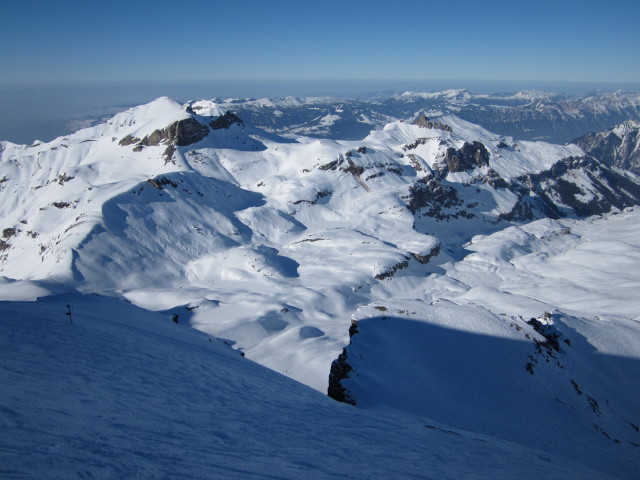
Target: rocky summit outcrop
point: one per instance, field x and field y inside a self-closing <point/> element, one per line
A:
<point x="181" y="133"/>
<point x="434" y="199"/>
<point x="225" y="121"/>
<point x="471" y="155"/>
<point x="423" y="121"/>
<point x="618" y="146"/>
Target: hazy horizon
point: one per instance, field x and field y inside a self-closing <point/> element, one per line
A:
<point x="46" y="110"/>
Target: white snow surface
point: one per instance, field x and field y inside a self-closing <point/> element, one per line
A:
<point x="121" y="392"/>
<point x="274" y="244"/>
<point x="469" y="368"/>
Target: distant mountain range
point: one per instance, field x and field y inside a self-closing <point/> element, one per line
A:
<point x="525" y="115"/>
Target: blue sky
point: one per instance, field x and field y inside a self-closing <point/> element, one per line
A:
<point x="164" y="41"/>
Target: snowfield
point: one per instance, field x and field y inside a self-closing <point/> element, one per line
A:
<point x="438" y="239"/>
<point x="126" y="393"/>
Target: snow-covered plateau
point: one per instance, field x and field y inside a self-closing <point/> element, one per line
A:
<point x="472" y="295"/>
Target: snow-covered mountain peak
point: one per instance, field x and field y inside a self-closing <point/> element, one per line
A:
<point x="149" y="117"/>
<point x="207" y="108"/>
<point x="432" y="138"/>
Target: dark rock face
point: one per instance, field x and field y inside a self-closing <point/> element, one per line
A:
<point x="414" y="145"/>
<point x="346" y="163"/>
<point x="168" y="153"/>
<point x="430" y="197"/>
<point x="4" y="244"/>
<point x="494" y="180"/>
<point x="603" y="145"/>
<point x="225" y="121"/>
<point x="393" y="269"/>
<point x="471" y="155"/>
<point x="128" y="140"/>
<point x="181" y="133"/>
<point x="617" y="147"/>
<point x="160" y="182"/>
<point x="319" y="195"/>
<point x="415" y="163"/>
<point x="332" y="165"/>
<point x="353" y="169"/>
<point x="340" y="370"/>
<point x="610" y="188"/>
<point x="425" y="258"/>
<point x="422" y="121"/>
<point x="529" y="207"/>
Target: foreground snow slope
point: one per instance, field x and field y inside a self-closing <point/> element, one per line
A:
<point x="466" y="367"/>
<point x="125" y="393"/>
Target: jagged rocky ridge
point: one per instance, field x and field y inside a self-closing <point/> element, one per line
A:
<point x="618" y="146"/>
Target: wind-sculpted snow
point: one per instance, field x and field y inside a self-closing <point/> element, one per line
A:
<point x="273" y="243"/>
<point x="586" y="268"/>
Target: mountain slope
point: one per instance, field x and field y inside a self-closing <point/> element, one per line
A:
<point x="533" y="337"/>
<point x="466" y="367"/>
<point x="121" y="392"/>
